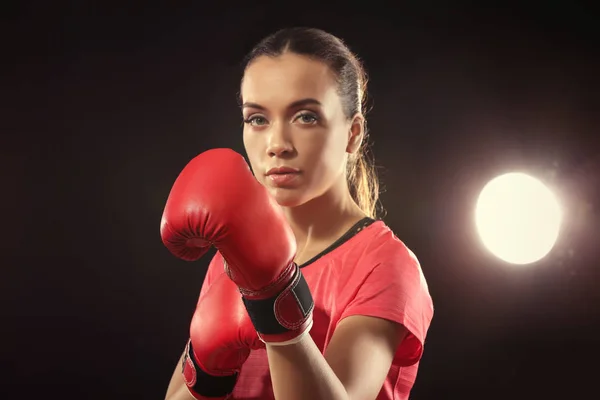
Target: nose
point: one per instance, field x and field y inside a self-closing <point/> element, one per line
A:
<point x="279" y="142"/>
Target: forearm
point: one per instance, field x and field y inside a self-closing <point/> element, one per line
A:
<point x="299" y="371"/>
<point x="177" y="389"/>
<point x="179" y="393"/>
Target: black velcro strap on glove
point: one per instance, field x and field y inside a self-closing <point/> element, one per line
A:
<point x="263" y="314"/>
<point x="202" y="383"/>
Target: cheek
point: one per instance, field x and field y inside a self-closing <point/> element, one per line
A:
<point x="327" y="154"/>
<point x="251" y="145"/>
<point x="247" y="141"/>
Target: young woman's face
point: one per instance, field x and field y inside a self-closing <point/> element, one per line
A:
<point x="294" y="121"/>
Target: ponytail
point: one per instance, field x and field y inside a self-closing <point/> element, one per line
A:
<point x="363" y="182"/>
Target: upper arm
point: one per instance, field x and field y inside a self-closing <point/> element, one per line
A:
<point x="385" y="323"/>
<point x="361" y="353"/>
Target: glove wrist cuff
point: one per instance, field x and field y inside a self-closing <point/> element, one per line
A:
<point x="285" y="316"/>
<point x="202" y="385"/>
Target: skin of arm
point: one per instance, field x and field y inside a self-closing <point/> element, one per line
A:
<point x="354" y="366"/>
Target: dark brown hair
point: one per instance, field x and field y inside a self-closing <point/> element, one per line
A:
<point x="352" y="88"/>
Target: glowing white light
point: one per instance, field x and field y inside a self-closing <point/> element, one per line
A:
<point x="518" y="218"/>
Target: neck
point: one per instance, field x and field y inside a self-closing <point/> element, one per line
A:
<point x="324" y="218"/>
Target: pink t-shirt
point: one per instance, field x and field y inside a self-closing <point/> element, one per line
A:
<point x="372" y="274"/>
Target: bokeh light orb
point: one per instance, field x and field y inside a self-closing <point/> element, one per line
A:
<point x="518" y="218"/>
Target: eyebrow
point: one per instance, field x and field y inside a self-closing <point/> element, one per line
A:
<point x="295" y="104"/>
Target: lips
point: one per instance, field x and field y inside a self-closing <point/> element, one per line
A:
<point x="282" y="170"/>
<point x="283" y="176"/>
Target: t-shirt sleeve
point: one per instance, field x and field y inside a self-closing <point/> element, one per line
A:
<point x="395" y="289"/>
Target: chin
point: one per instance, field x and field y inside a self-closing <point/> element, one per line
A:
<point x="287" y="197"/>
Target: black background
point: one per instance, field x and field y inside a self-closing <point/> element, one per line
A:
<point x="104" y="105"/>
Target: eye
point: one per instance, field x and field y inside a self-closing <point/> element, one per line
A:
<point x="255" y="120"/>
<point x="307" y="118"/>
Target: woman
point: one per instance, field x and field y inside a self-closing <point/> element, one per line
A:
<point x="302" y="99"/>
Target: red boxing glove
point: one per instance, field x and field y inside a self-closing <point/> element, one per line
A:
<point x="221" y="337"/>
<point x="217" y="201"/>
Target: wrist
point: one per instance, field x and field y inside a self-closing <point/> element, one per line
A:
<point x="285" y="316"/>
<point x="298" y="337"/>
<point x="298" y="342"/>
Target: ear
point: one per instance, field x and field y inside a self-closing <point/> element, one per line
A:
<point x="356" y="133"/>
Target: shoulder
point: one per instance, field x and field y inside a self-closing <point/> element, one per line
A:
<point x="389" y="277"/>
<point x="374" y="257"/>
<point x="392" y="287"/>
<point x="384" y="250"/>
